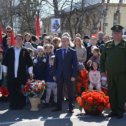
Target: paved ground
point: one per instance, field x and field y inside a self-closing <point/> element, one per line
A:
<point x="45" y="117"/>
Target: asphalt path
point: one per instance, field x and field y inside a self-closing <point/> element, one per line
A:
<point x="45" y="117"/>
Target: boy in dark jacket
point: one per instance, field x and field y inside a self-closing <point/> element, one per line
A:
<point x="51" y="84"/>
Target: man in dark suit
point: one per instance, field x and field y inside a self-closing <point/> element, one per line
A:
<point x="65" y="72"/>
<point x="17" y="63"/>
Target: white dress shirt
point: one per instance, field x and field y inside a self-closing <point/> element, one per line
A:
<point x="16" y="62"/>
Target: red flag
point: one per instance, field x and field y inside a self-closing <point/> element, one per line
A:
<point x="12" y="38"/>
<point x="1" y="33"/>
<point x="37" y="26"/>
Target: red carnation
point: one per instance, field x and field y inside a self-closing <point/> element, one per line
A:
<point x="87" y="107"/>
<point x="4" y="91"/>
<point x="100" y="108"/>
<point x="108" y="105"/>
<point x="34" y="88"/>
<point x="90" y="100"/>
<point x="79" y="101"/>
<point x="94" y="101"/>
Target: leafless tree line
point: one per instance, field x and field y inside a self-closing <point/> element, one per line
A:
<point x="75" y="14"/>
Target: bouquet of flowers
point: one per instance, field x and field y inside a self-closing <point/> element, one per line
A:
<point x="4" y="91"/>
<point x="34" y="88"/>
<point x="93" y="102"/>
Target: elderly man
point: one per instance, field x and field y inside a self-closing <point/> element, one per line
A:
<point x="113" y="62"/>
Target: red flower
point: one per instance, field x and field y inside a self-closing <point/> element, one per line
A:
<point x="27" y="89"/>
<point x="79" y="87"/>
<point x="90" y="100"/>
<point x="34" y="88"/>
<point x="4" y="91"/>
<point x="94" y="101"/>
<point x="82" y="81"/>
<point x="39" y="89"/>
<point x="108" y="105"/>
<point x="79" y="101"/>
<point x="100" y="108"/>
<point x="107" y="98"/>
<point x="87" y="107"/>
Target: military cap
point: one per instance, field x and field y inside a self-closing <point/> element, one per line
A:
<point x="117" y="28"/>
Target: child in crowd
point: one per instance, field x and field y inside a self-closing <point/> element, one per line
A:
<point x="40" y="64"/>
<point x="51" y="84"/>
<point x="49" y="49"/>
<point x="7" y="46"/>
<point x="31" y="52"/>
<point x="94" y="77"/>
<point x="104" y="84"/>
<point x="95" y="57"/>
<point x="27" y="37"/>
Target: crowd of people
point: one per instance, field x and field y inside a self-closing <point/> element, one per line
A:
<point x="58" y="60"/>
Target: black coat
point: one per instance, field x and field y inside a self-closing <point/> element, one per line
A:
<point x="4" y="41"/>
<point x="25" y="61"/>
<point x="66" y="67"/>
<point x="40" y="67"/>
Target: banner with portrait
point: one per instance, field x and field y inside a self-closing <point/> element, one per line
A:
<point x="55" y="25"/>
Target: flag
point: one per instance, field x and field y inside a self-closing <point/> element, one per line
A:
<point x="1" y="33"/>
<point x="37" y="26"/>
<point x="12" y="38"/>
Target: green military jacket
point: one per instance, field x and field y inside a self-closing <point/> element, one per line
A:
<point x="113" y="58"/>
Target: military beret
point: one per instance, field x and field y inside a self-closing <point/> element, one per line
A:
<point x="86" y="37"/>
<point x="117" y="28"/>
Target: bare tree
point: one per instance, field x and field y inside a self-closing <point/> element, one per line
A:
<point x="76" y="16"/>
<point x="7" y="8"/>
<point x="19" y="14"/>
<point x="84" y="17"/>
<point x="56" y="10"/>
<point x="117" y="13"/>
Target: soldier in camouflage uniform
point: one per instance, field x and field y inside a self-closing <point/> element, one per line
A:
<point x="113" y="63"/>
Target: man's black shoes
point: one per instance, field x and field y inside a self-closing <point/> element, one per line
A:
<point x="119" y="116"/>
<point x="71" y="111"/>
<point x="112" y="114"/>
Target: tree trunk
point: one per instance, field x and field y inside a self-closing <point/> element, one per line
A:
<point x="56" y="11"/>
